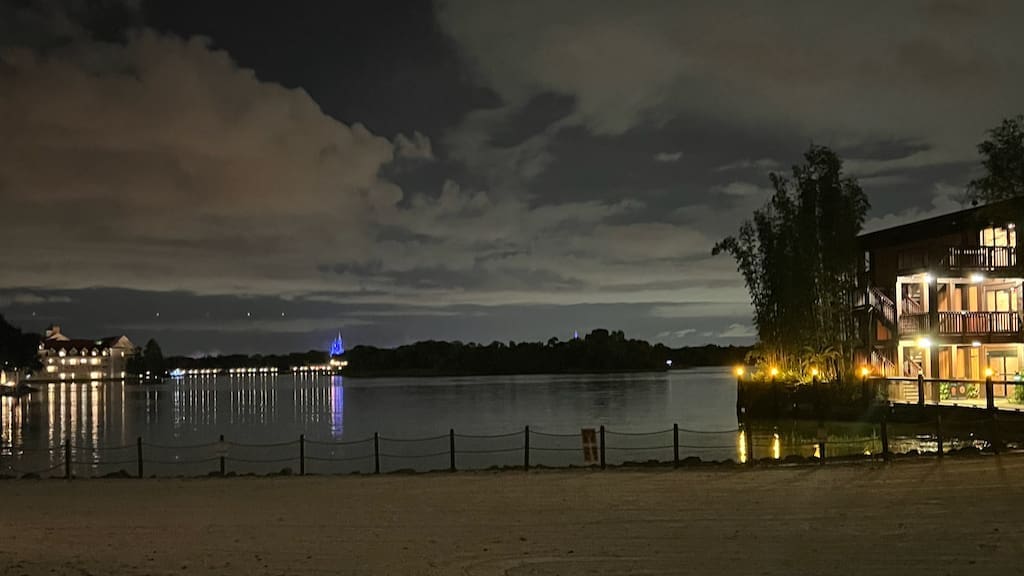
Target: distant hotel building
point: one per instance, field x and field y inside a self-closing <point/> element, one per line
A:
<point x="69" y="359"/>
<point x="942" y="297"/>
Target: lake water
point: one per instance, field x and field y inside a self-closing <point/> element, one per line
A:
<point x="339" y="417"/>
<point x="262" y="417"/>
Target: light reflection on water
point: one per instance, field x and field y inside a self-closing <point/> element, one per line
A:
<point x="263" y="409"/>
<point x="339" y="418"/>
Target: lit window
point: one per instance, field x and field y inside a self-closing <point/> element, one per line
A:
<point x="51" y="369"/>
<point x="998" y="236"/>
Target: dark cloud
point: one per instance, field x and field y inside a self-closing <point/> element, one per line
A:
<point x="471" y="170"/>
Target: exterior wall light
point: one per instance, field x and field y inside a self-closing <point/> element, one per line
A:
<point x="924" y="343"/>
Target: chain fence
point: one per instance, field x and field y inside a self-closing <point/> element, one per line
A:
<point x="528" y="448"/>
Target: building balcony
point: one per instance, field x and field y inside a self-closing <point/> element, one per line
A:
<point x="963" y="324"/>
<point x="957" y="258"/>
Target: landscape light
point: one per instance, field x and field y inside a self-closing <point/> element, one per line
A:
<point x="739" y="371"/>
<point x="865" y="371"/>
<point x="924" y="343"/>
<point x="814" y="372"/>
<point x="774" y="371"/>
<point x="988" y="372"/>
<point x="975" y="278"/>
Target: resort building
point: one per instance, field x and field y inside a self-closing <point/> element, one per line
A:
<point x="942" y="297"/>
<point x="69" y="359"/>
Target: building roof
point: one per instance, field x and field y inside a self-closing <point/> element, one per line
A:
<point x="81" y="344"/>
<point x="997" y="213"/>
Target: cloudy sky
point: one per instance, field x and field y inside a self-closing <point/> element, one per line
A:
<point x="236" y="176"/>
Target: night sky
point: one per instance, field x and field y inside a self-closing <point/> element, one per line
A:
<point x="249" y="176"/>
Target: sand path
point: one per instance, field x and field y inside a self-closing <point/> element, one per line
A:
<point x="914" y="517"/>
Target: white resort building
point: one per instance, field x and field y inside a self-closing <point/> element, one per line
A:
<point x="67" y="359"/>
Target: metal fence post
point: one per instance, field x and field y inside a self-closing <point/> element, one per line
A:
<point x="138" y="445"/>
<point x="602" y="447"/>
<point x="920" y="389"/>
<point x="376" y="453"/>
<point x="938" y="432"/>
<point x="990" y="396"/>
<point x="675" y="445"/>
<point x="221" y="448"/>
<point x="302" y="454"/>
<point x="451" y="449"/>
<point x="67" y="458"/>
<point x="526" y="448"/>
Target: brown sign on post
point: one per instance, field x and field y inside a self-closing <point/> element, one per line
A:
<point x="589" y="437"/>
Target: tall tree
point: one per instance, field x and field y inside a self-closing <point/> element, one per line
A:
<point x="798" y="257"/>
<point x="153" y="358"/>
<point x="17" y="349"/>
<point x="1003" y="158"/>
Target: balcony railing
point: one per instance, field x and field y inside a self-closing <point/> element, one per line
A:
<point x="979" y="323"/>
<point x="982" y="257"/>
<point x="989" y="258"/>
<point x="963" y="323"/>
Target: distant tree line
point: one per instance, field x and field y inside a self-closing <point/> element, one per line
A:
<point x="279" y="361"/>
<point x="598" y="351"/>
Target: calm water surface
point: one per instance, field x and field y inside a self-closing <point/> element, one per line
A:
<point x="261" y="418"/>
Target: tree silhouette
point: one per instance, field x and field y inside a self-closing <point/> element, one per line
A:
<point x="1003" y="159"/>
<point x="798" y="257"/>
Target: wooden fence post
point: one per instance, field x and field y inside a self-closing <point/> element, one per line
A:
<point x="990" y="395"/>
<point x="996" y="437"/>
<point x="302" y="454"/>
<point x="748" y="437"/>
<point x="602" y="446"/>
<point x="525" y="448"/>
<point x="67" y="458"/>
<point x="451" y="449"/>
<point x="675" y="445"/>
<point x="376" y="453"/>
<point x="138" y="446"/>
<point x="920" y="389"/>
<point x="885" y="433"/>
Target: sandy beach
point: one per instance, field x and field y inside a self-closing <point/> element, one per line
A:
<point x="912" y="517"/>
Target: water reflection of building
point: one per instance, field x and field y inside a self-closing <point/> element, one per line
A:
<point x="64" y="358"/>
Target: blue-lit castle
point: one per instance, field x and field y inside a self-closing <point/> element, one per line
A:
<point x="337" y="346"/>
